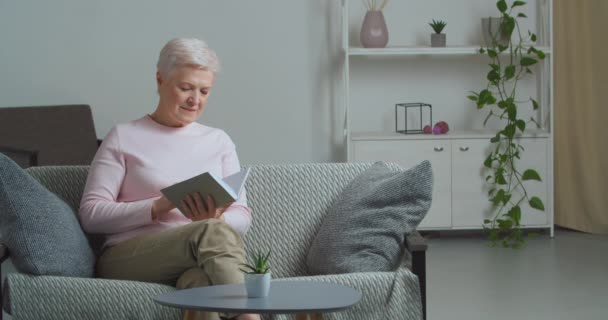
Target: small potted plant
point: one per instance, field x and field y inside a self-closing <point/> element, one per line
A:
<point x="257" y="275"/>
<point x="437" y="38"/>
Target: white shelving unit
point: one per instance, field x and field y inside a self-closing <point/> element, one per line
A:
<point x="411" y="50"/>
<point x="413" y="72"/>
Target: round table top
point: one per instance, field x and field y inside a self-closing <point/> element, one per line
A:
<point x="284" y="297"/>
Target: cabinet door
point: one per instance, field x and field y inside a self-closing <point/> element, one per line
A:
<point x="408" y="153"/>
<point x="470" y="202"/>
<point x="535" y="157"/>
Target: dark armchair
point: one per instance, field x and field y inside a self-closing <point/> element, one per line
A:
<point x="48" y="135"/>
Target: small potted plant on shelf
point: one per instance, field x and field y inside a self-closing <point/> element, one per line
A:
<point x="257" y="275"/>
<point x="437" y="38"/>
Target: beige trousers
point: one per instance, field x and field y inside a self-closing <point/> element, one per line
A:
<point x="198" y="254"/>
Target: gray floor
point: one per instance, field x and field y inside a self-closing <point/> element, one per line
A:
<point x="561" y="278"/>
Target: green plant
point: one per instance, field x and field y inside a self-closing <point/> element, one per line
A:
<point x="509" y="64"/>
<point x="259" y="265"/>
<point x="437" y="25"/>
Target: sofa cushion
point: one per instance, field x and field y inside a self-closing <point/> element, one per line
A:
<point x="365" y="227"/>
<point x="41" y="231"/>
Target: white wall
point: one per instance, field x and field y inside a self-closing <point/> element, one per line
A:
<point x="278" y="95"/>
<point x="275" y="95"/>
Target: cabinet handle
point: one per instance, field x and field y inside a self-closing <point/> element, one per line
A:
<point x="438" y="149"/>
<point x="464" y="148"/>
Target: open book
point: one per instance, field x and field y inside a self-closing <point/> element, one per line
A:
<point x="223" y="191"/>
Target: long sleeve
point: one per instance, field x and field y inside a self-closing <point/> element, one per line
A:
<point x="238" y="215"/>
<point x="100" y="211"/>
<point x="136" y="161"/>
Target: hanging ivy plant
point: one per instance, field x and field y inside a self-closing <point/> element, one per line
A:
<point x="511" y="60"/>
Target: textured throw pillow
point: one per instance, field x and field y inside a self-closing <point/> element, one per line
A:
<point x="41" y="231"/>
<point x="366" y="226"/>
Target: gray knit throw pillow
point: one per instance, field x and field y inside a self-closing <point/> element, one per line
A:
<point x="366" y="226"/>
<point x="41" y="231"/>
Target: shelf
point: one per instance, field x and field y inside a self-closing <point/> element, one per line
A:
<point x="457" y="134"/>
<point x="422" y="50"/>
<point x="411" y="70"/>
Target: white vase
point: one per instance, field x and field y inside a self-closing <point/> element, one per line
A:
<point x="257" y="285"/>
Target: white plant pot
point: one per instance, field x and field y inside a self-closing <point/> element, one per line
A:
<point x="257" y="285"/>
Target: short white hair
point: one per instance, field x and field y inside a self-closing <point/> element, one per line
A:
<point x="187" y="52"/>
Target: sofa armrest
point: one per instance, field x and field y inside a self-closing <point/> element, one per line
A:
<point x="3" y="256"/>
<point x="3" y="253"/>
<point x="32" y="154"/>
<point x="416" y="244"/>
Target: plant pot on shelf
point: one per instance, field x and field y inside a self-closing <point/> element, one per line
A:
<point x="374" y="33"/>
<point x="437" y="39"/>
<point x="490" y="28"/>
<point x="257" y="284"/>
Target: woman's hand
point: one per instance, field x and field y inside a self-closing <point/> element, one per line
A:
<point x="161" y="206"/>
<point x="196" y="209"/>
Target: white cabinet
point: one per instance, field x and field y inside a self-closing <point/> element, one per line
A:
<point x="460" y="198"/>
<point x="469" y="195"/>
<point x="409" y="70"/>
<point x="471" y="204"/>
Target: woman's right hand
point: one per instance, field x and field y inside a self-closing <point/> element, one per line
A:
<point x="161" y="206"/>
<point x="197" y="209"/>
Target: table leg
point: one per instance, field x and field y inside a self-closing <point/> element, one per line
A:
<point x="309" y="316"/>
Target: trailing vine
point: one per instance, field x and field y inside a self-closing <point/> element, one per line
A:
<point x="511" y="61"/>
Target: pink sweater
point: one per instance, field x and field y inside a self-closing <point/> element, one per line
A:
<point x="136" y="160"/>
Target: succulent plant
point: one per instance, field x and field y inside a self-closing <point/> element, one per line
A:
<point x="437" y="25"/>
<point x="259" y="265"/>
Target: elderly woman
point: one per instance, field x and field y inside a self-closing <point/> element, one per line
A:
<point x="147" y="237"/>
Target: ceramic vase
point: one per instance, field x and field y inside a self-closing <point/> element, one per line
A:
<point x="257" y="285"/>
<point x="374" y="33"/>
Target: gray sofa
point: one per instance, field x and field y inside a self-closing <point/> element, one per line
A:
<point x="288" y="202"/>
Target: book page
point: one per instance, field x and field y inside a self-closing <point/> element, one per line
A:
<point x="205" y="184"/>
<point x="237" y="181"/>
<point x="223" y="191"/>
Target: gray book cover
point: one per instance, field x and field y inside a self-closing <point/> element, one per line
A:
<point x="223" y="191"/>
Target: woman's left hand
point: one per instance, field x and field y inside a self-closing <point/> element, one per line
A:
<point x="196" y="209"/>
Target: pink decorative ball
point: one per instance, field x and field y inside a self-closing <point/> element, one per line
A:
<point x="443" y="127"/>
<point x="437" y="130"/>
<point x="427" y="129"/>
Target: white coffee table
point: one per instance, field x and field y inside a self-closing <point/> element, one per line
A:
<point x="307" y="299"/>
